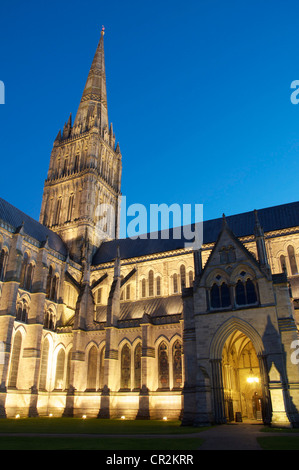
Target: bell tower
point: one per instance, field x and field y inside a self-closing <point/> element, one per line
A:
<point x="81" y="196"/>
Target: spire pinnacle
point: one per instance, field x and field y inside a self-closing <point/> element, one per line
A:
<point x="94" y="97"/>
<point x="117" y="263"/>
<point x="258" y="228"/>
<point x="261" y="244"/>
<point x="224" y="221"/>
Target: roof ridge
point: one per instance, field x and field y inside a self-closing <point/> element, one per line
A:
<point x="272" y="219"/>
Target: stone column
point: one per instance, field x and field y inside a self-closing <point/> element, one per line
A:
<point x="218" y="392"/>
<point x="190" y="364"/>
<point x="203" y="415"/>
<point x="147" y="371"/>
<point x="111" y="375"/>
<point x="266" y="399"/>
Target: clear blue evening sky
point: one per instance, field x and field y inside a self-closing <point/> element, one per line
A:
<point x="198" y="93"/>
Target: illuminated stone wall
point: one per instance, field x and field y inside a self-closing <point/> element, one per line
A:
<point x="139" y="323"/>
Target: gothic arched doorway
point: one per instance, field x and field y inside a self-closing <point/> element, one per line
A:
<point x="242" y="379"/>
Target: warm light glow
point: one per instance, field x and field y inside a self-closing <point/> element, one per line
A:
<point x="84" y="417"/>
<point x="123" y="417"/>
<point x="17" y="416"/>
<point x="165" y="418"/>
<point x="50" y="415"/>
<point x="252" y="380"/>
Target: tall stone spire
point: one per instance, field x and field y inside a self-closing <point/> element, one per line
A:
<point x="85" y="171"/>
<point x="93" y="104"/>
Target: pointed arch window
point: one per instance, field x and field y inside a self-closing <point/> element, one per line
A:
<point x="44" y="365"/>
<point x="70" y="208"/>
<point x="125" y="382"/>
<point x="158" y="285"/>
<point x="22" y="312"/>
<point x="137" y="366"/>
<point x="3" y="263"/>
<point x="19" y="311"/>
<point x="177" y="365"/>
<point x="143" y="288"/>
<point x="246" y="293"/>
<point x="183" y="276"/>
<point x="225" y="295"/>
<point x="175" y="283"/>
<point x="25" y="313"/>
<point x="53" y="294"/>
<point x="27" y="272"/>
<point x="52" y="285"/>
<point x="59" y="385"/>
<point x="68" y="369"/>
<point x="57" y="211"/>
<point x="283" y="263"/>
<point x="15" y="360"/>
<point x="220" y="296"/>
<point x="29" y="277"/>
<point x="65" y="167"/>
<point x="292" y="260"/>
<point x="240" y="293"/>
<point x="109" y="174"/>
<point x="215" y="296"/>
<point x="24" y="270"/>
<point x="163" y="366"/>
<point x="50" y="320"/>
<point x="251" y="296"/>
<point x="102" y="370"/>
<point x="49" y="282"/>
<point x="151" y="283"/>
<point x="92" y="368"/>
<point x="76" y="165"/>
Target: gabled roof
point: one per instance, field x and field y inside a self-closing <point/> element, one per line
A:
<point x="15" y="218"/>
<point x="242" y="225"/>
<point x="226" y="230"/>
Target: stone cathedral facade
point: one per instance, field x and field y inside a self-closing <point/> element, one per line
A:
<point x="94" y="325"/>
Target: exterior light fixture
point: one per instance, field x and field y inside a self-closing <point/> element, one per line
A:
<point x="17" y="416"/>
<point x="84" y="417"/>
<point x="252" y="379"/>
<point x="165" y="418"/>
<point x="123" y="417"/>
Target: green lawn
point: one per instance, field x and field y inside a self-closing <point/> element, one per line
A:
<point x="81" y="426"/>
<point x="93" y="426"/>
<point x="75" y="429"/>
<point x="92" y="443"/>
<point x="279" y="442"/>
<point x="276" y="430"/>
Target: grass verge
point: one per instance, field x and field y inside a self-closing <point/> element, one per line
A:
<point x="279" y="442"/>
<point x="92" y="443"/>
<point x="93" y="426"/>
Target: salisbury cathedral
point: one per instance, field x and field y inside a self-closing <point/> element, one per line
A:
<point x="96" y="325"/>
